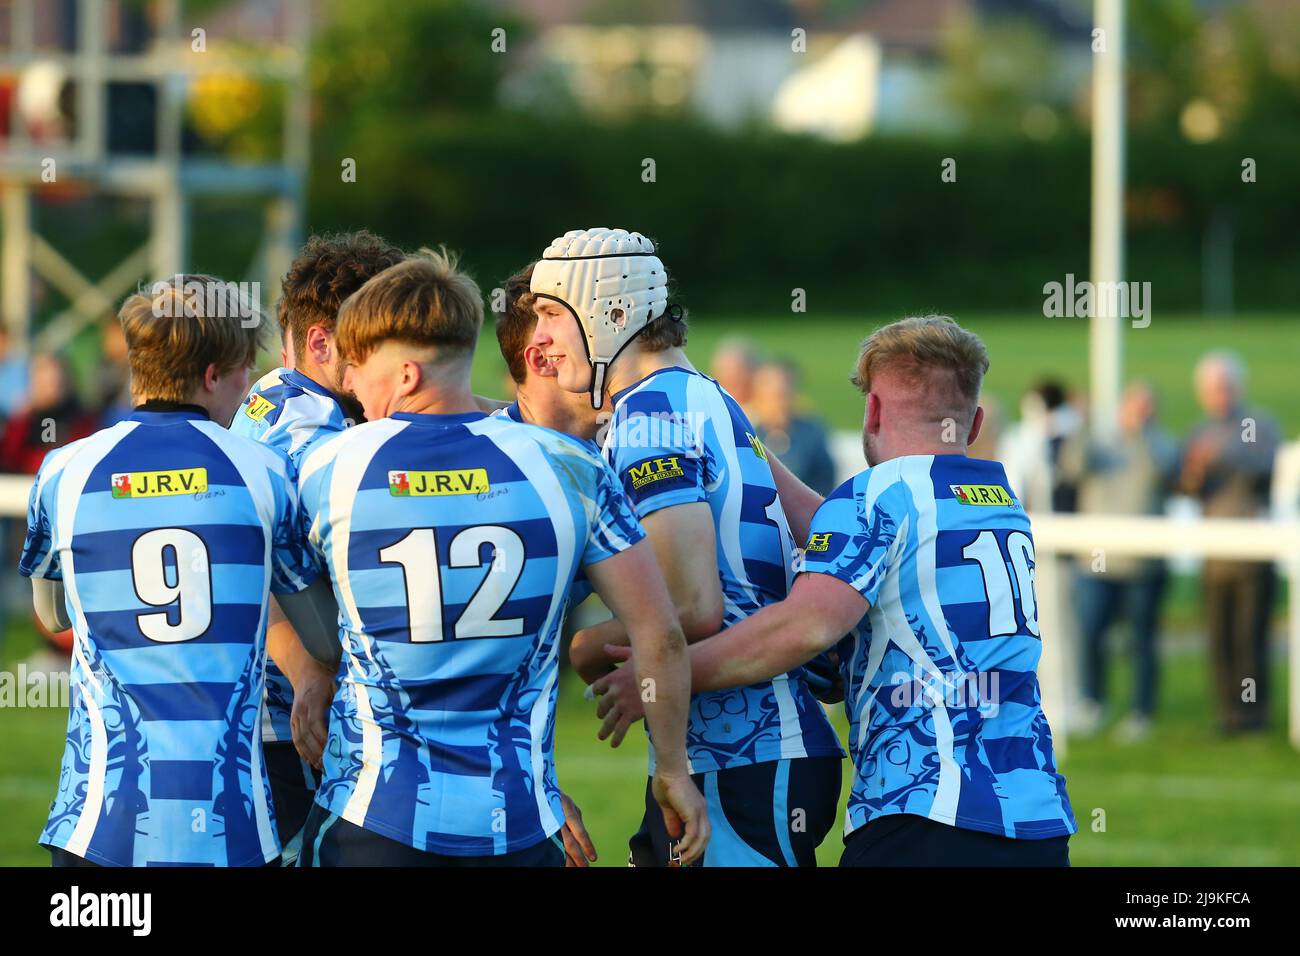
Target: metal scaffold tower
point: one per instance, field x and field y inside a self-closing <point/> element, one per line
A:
<point x="168" y="178"/>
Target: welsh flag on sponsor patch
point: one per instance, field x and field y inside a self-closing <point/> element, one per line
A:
<point x="961" y="495"/>
<point x="398" y="483"/>
<point x="122" y="486"/>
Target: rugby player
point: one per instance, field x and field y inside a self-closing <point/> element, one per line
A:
<point x="293" y="408"/>
<point x="157" y="540"/>
<point x="451" y="539"/>
<point x="701" y="483"/>
<point x="927" y="559"/>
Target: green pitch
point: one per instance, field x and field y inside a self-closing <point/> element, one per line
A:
<point x="1180" y="798"/>
<point x="1023" y="349"/>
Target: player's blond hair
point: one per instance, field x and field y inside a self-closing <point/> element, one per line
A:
<point x="180" y="326"/>
<point x="926" y="345"/>
<point x="424" y="301"/>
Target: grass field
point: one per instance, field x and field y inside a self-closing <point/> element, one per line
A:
<point x="1023" y="349"/>
<point x="1181" y="797"/>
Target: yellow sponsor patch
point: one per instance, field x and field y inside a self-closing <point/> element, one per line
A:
<point x="427" y="484"/>
<point x="756" y="443"/>
<point x="989" y="495"/>
<point x="656" y="469"/>
<point x="257" y="407"/>
<point x="156" y="484"/>
<point x="819" y="542"/>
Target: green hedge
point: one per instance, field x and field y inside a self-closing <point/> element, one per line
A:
<point x="744" y="219"/>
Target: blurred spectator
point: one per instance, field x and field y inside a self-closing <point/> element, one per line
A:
<point x="13" y="375"/>
<point x="1227" y="463"/>
<point x="800" y="442"/>
<point x="1132" y="476"/>
<point x="734" y="364"/>
<point x="51" y="416"/>
<point x="113" y="395"/>
<point x="1030" y="449"/>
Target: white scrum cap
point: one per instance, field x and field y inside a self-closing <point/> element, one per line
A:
<point x="612" y="282"/>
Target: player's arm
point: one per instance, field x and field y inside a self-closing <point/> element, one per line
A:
<point x="51" y="609"/>
<point x="631" y="585"/>
<point x="798" y="501"/>
<point x="302" y="639"/>
<point x="819" y="611"/>
<point x="685" y="547"/>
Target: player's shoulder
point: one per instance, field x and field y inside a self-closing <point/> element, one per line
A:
<point x="663" y="390"/>
<point x="875" y="485"/>
<point x="243" y="448"/>
<point x="509" y="434"/>
<point x="966" y="487"/>
<point x="287" y="399"/>
<point x="57" y="460"/>
<point x="366" y="435"/>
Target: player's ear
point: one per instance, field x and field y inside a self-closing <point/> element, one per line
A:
<point x="874" y="412"/>
<point x="319" y="344"/>
<point x="412" y="374"/>
<point x="976" y="424"/>
<point x="535" y="359"/>
<point x="211" y="376"/>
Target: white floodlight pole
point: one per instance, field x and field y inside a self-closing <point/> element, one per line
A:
<point x="1106" y="372"/>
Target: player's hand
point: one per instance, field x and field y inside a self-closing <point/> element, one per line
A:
<point x="309" y="719"/>
<point x="620" y="697"/>
<point x="685" y="815"/>
<point x="587" y="655"/>
<point x="578" y="848"/>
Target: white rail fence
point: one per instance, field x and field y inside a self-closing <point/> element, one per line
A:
<point x="1061" y="535"/>
<point x="1150" y="537"/>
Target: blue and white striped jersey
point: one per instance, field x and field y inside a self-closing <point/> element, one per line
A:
<point x="168" y="533"/>
<point x="940" y="676"/>
<point x="289" y="411"/>
<point x="676" y="438"/>
<point x="452" y="542"/>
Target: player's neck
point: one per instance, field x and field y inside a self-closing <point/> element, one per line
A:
<point x="635" y="364"/>
<point x="314" y="371"/>
<point x="549" y="407"/>
<point x="201" y="400"/>
<point x="542" y="407"/>
<point x="451" y="400"/>
<point x="905" y="449"/>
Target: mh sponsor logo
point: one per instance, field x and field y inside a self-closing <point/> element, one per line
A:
<point x="655" y="469"/>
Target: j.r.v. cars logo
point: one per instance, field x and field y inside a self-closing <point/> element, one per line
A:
<point x="155" y="484"/>
<point x="422" y="484"/>
<point x="986" y="495"/>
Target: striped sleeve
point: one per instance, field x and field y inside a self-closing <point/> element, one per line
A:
<point x="656" y="454"/>
<point x="294" y="564"/>
<point x="39" y="559"/>
<point x="852" y="535"/>
<point x="614" y="526"/>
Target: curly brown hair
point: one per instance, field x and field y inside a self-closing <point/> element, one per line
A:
<point x="329" y="268"/>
